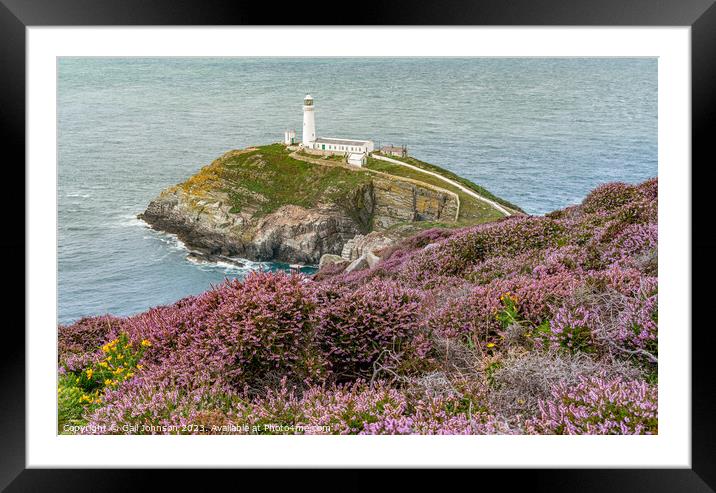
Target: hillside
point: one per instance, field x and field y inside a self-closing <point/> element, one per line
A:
<point x="528" y="325"/>
<point x="269" y="203"/>
<point x="464" y="181"/>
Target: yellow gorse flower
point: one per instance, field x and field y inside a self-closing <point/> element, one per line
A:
<point x="110" y="345"/>
<point x="146" y="343"/>
<point x="508" y="296"/>
<point x="107" y="381"/>
<point x="90" y="372"/>
<point x="490" y="344"/>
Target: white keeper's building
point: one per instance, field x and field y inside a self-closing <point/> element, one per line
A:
<point x="356" y="151"/>
<point x="341" y="146"/>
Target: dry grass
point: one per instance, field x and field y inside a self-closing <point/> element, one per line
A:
<point x="522" y="379"/>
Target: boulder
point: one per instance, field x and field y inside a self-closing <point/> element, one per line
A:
<point x="366" y="261"/>
<point x="360" y="263"/>
<point x="330" y="259"/>
<point x="371" y="258"/>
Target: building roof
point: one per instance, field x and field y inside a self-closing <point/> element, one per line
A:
<point x="345" y="142"/>
<point x="356" y="155"/>
<point x="392" y="148"/>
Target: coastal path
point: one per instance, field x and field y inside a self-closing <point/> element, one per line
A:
<point x="472" y="193"/>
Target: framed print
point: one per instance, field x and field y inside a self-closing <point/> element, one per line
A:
<point x="447" y="237"/>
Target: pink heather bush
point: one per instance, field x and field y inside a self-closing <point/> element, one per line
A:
<point x="340" y="410"/>
<point x="598" y="406"/>
<point x="420" y="241"/>
<point x="574" y="329"/>
<point x="264" y="324"/>
<point x="438" y="415"/>
<point x="377" y="323"/>
<point x="297" y="352"/>
<point x="460" y="252"/>
<point x="632" y="241"/>
<point x="471" y="317"/>
<point x="608" y="197"/>
<point x="638" y="324"/>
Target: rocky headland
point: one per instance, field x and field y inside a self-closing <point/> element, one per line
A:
<point x="269" y="203"/>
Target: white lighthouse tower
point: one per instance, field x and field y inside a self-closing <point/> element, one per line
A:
<point x="309" y="122"/>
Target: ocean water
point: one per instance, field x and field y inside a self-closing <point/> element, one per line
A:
<point x="539" y="132"/>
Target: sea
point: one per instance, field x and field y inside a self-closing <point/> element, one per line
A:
<point x="539" y="132"/>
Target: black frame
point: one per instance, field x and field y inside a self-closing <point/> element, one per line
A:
<point x="15" y="15"/>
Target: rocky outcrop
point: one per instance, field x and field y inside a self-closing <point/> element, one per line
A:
<point x="330" y="259"/>
<point x="290" y="234"/>
<point x="398" y="201"/>
<point x="373" y="243"/>
<point x="366" y="261"/>
<point x="365" y="251"/>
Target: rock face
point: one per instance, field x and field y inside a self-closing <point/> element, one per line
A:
<point x="295" y="234"/>
<point x="290" y="234"/>
<point x="398" y="201"/>
<point x="372" y="242"/>
<point x="365" y="251"/>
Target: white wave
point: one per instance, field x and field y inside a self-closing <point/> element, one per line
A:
<point x="196" y="260"/>
<point x="241" y="265"/>
<point x="174" y="242"/>
<point x="170" y="239"/>
<point x="132" y="221"/>
<point x="228" y="266"/>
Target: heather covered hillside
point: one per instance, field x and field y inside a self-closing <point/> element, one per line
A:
<point x="527" y="325"/>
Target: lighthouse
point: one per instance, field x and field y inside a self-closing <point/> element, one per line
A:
<point x="309" y="122"/>
<point x="355" y="151"/>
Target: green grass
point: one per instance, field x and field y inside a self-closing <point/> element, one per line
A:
<point x="472" y="210"/>
<point x="69" y="408"/>
<point x="463" y="181"/>
<point x="268" y="178"/>
<point x="339" y="158"/>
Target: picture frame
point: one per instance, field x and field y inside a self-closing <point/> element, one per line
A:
<point x="17" y="15"/>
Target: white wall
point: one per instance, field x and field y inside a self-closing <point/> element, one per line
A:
<point x="309" y="125"/>
<point x="343" y="149"/>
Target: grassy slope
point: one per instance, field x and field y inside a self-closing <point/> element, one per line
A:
<point x="463" y="181"/>
<point x="472" y="211"/>
<point x="267" y="178"/>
